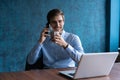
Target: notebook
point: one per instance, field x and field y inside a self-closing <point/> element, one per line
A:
<point x="93" y="65"/>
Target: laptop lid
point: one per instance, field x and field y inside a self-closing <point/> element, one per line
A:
<point x="94" y="64"/>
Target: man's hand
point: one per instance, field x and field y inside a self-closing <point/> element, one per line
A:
<point x="43" y="35"/>
<point x="60" y="41"/>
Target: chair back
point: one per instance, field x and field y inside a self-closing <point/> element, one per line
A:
<point x="37" y="65"/>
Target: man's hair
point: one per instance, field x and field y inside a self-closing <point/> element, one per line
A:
<point x="54" y="12"/>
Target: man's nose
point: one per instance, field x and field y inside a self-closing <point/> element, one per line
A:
<point x="57" y="24"/>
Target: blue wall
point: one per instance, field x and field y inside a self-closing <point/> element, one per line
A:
<point x="22" y="20"/>
<point x="114" y="25"/>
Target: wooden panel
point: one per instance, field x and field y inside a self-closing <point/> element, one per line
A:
<point x="52" y="74"/>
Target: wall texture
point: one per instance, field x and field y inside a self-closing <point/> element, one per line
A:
<point x="114" y="25"/>
<point x="21" y="22"/>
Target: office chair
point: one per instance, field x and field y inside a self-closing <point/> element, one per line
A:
<point x="118" y="58"/>
<point x="37" y="65"/>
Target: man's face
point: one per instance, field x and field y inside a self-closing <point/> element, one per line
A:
<point x="57" y="23"/>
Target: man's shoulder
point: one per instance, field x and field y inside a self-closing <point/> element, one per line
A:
<point x="71" y="38"/>
<point x="70" y="34"/>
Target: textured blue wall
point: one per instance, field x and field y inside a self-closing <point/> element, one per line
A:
<point x="114" y="25"/>
<point x="22" y="20"/>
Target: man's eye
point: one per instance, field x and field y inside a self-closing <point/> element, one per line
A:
<point x="60" y="21"/>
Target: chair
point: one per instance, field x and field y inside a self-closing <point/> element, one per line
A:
<point x="37" y="65"/>
<point x="118" y="58"/>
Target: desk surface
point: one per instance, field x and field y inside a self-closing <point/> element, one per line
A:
<point x="52" y="74"/>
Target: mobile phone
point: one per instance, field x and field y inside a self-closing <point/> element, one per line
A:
<point x="50" y="31"/>
<point x="49" y="26"/>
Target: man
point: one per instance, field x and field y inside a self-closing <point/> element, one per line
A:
<point x="60" y="50"/>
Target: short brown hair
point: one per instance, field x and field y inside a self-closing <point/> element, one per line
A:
<point x="54" y="12"/>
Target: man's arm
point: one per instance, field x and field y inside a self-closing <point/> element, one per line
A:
<point x="34" y="54"/>
<point x="75" y="49"/>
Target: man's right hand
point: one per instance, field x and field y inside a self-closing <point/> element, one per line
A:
<point x="43" y="35"/>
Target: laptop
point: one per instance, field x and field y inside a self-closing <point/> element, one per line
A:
<point x="93" y="65"/>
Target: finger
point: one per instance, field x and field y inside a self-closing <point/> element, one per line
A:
<point x="58" y="40"/>
<point x="45" y="35"/>
<point x="45" y="30"/>
<point x="57" y="37"/>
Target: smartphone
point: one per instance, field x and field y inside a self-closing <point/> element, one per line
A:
<point x="50" y="31"/>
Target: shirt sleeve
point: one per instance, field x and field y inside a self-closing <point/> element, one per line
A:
<point x="75" y="49"/>
<point x="34" y="54"/>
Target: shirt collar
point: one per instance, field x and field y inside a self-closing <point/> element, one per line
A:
<point x="63" y="33"/>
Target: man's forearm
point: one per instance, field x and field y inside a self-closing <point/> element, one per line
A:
<point x="34" y="53"/>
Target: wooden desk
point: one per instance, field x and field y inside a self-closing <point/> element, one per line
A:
<point x="52" y="74"/>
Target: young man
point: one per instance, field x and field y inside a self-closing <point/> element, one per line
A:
<point x="60" y="50"/>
